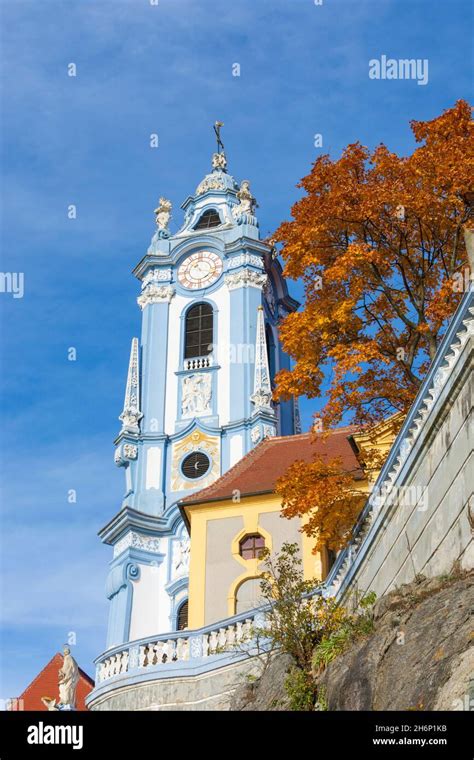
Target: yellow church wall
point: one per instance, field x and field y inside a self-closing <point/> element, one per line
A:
<point x="216" y="568"/>
<point x="378" y="438"/>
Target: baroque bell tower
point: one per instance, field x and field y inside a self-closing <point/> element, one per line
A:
<point x="199" y="389"/>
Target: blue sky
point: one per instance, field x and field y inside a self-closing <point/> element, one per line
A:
<point x="143" y="69"/>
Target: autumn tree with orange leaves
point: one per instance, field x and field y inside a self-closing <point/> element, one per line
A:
<point x="378" y="241"/>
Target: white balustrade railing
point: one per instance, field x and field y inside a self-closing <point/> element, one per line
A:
<point x="178" y="647"/>
<point x="198" y="362"/>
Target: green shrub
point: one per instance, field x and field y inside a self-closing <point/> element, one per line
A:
<point x="301" y="690"/>
<point x="312" y="629"/>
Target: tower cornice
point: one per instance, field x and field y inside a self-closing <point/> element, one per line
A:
<point x="150" y="260"/>
<point x="131" y="519"/>
<point x="247" y="242"/>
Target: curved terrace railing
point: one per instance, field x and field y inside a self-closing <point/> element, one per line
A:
<point x="222" y="638"/>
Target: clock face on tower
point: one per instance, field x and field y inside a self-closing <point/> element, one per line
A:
<point x="200" y="270"/>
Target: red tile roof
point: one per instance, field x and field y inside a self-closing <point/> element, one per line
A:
<point x="46" y="685"/>
<point x="258" y="471"/>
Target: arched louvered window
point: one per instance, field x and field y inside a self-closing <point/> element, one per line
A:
<point x="270" y="353"/>
<point x="207" y="220"/>
<point x="182" y="619"/>
<point x="198" y="331"/>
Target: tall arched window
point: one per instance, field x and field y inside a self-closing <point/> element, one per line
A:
<point x="198" y="331"/>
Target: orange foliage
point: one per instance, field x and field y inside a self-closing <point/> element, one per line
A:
<point x="377" y="239"/>
<point x="327" y="495"/>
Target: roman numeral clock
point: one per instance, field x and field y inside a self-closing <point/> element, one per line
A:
<point x="199" y="270"/>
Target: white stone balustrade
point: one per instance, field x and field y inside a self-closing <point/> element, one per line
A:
<point x="179" y="647"/>
<point x="198" y="362"/>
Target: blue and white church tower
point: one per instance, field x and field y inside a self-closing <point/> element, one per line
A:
<point x="198" y="391"/>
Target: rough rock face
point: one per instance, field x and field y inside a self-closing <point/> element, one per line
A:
<point x="420" y="655"/>
<point x="267" y="692"/>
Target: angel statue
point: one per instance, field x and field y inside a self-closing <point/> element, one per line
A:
<point x="244" y="212"/>
<point x="163" y="214"/>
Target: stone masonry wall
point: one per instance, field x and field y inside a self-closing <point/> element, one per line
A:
<point x="428" y="529"/>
